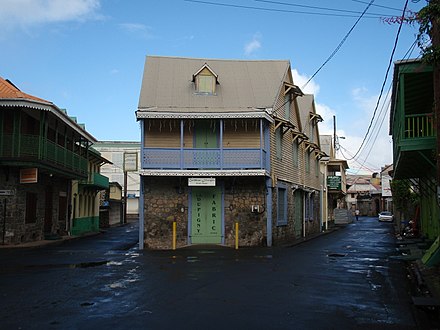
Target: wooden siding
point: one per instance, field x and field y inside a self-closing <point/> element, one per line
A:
<point x="241" y="139"/>
<point x="166" y="134"/>
<point x="161" y="134"/>
<point x="283" y="168"/>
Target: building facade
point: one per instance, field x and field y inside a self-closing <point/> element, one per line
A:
<point x="414" y="135"/>
<point x="223" y="146"/>
<point x="114" y="151"/>
<point x="42" y="150"/>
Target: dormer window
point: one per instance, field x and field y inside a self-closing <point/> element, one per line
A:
<point x="205" y="80"/>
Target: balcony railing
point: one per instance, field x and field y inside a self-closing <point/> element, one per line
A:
<point x="191" y="158"/>
<point x="32" y="147"/>
<point x="96" y="181"/>
<point x="419" y="126"/>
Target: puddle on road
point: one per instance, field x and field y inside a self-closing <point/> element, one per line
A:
<point x="337" y="255"/>
<point x="192" y="259"/>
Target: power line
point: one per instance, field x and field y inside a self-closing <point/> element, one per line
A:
<point x="278" y="10"/>
<point x="406" y="56"/>
<point x="315" y="7"/>
<point x="385" y="107"/>
<point x="384" y="82"/>
<point x="340" y="45"/>
<point x="398" y="9"/>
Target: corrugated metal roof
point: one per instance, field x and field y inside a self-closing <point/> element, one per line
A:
<point x="249" y="85"/>
<point x="9" y="91"/>
<point x="11" y="96"/>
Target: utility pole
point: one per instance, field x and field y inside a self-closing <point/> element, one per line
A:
<point x="334" y="135"/>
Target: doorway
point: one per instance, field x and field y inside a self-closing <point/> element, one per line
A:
<point x="206" y="215"/>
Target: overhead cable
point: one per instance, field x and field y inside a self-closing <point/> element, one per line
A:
<point x="340" y="45"/>
<point x="383" y="84"/>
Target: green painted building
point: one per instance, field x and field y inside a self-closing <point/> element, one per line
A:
<point x="412" y="126"/>
<point x="45" y="159"/>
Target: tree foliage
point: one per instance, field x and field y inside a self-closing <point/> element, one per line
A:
<point x="425" y="18"/>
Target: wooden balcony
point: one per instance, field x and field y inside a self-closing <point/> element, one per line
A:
<point x="414" y="143"/>
<point x="209" y="158"/>
<point x="96" y="181"/>
<point x="36" y="151"/>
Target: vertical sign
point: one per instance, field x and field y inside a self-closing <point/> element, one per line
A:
<point x="130" y="161"/>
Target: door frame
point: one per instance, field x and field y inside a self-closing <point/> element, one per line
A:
<point x="222" y="202"/>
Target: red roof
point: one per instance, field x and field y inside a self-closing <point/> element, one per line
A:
<point x="9" y="91"/>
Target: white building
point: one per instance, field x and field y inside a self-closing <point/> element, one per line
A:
<point x="114" y="151"/>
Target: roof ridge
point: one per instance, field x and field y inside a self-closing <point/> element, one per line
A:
<point x="9" y="91"/>
<point x="216" y="59"/>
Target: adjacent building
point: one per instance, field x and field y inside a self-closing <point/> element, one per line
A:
<point x="225" y="144"/>
<point x="412" y="126"/>
<point x="335" y="183"/>
<point x="42" y="152"/>
<point x="114" y="151"/>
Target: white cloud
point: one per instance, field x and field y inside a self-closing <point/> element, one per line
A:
<point x="300" y="81"/>
<point x="26" y="13"/>
<point x="252" y="46"/>
<point x="138" y="29"/>
<point x="377" y="149"/>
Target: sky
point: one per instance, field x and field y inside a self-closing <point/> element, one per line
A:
<point x="88" y="56"/>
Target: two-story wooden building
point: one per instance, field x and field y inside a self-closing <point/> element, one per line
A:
<point x="223" y="143"/>
<point x="413" y="128"/>
<point x="42" y="151"/>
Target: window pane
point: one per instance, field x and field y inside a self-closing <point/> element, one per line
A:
<point x="295" y="153"/>
<point x="31" y="208"/>
<point x="205" y="84"/>
<point x="282" y="207"/>
<point x="278" y="138"/>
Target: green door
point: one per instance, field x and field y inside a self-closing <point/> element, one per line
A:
<point x="206" y="135"/>
<point x="206" y="220"/>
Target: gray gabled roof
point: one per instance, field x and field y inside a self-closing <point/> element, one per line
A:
<point x="244" y="86"/>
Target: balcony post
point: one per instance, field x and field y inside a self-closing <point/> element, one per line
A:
<point x="261" y="143"/>
<point x="266" y="131"/>
<point x="221" y="144"/>
<point x="142" y="122"/>
<point x="181" y="143"/>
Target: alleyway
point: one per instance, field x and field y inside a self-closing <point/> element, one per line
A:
<point x="342" y="280"/>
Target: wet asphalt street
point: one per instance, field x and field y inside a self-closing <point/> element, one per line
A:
<point x="341" y="280"/>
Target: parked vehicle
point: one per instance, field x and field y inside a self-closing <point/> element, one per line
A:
<point x="386" y="216"/>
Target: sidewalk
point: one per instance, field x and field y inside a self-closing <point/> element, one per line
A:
<point x="57" y="240"/>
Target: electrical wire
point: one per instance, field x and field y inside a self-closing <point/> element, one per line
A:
<point x="339" y="46"/>
<point x="384" y="82"/>
<point x="279" y="10"/>
<point x="315" y="7"/>
<point x="383" y="114"/>
<point x="380" y="6"/>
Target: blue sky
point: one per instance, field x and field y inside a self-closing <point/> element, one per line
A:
<point x="88" y="55"/>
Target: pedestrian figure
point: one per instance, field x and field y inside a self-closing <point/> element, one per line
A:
<point x="357" y="214"/>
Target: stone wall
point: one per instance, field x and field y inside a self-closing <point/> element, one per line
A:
<point x="17" y="231"/>
<point x="293" y="230"/>
<point x="240" y="194"/>
<point x="166" y="200"/>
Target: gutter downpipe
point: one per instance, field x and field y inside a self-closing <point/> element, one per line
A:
<point x="321" y="218"/>
<point x="141" y="195"/>
<point x="304" y="214"/>
<point x="269" y="211"/>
